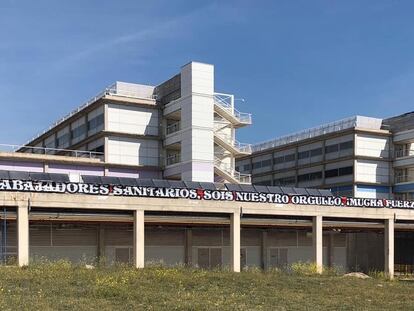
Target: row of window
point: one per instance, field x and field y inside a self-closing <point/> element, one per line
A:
<point x="338" y="147"/>
<point x="64" y="140"/>
<point x="301" y="155"/>
<point x="286" y="181"/>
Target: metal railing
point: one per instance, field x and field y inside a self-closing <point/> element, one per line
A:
<point x="174" y="127"/>
<point x="173" y="159"/>
<point x="309" y="133"/>
<point x="403" y="178"/>
<point x="118" y="91"/>
<point x="226" y="102"/>
<point x="241" y="147"/>
<point x="229" y="170"/>
<point x="110" y="90"/>
<point x="403" y="153"/>
<point x="52" y="151"/>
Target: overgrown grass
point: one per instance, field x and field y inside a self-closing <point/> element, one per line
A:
<point x="62" y="286"/>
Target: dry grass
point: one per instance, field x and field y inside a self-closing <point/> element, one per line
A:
<point x="62" y="286"/>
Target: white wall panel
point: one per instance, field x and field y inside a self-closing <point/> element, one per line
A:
<point x="133" y="120"/>
<point x="131" y="151"/>
<point x="372" y="145"/>
<point x="372" y="171"/>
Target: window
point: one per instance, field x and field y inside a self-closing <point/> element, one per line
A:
<point x="342" y="171"/>
<point x="63" y="140"/>
<point x="96" y="122"/>
<point x="342" y="191"/>
<point x="290" y="157"/>
<point x="346" y="170"/>
<point x="264" y="183"/>
<point x="100" y="149"/>
<point x="78" y="131"/>
<point x="261" y="164"/>
<point x="279" y="160"/>
<point x="246" y="167"/>
<point x="332" y="148"/>
<point x="266" y="163"/>
<point x="303" y="155"/>
<point x="346" y="145"/>
<point x="310" y="176"/>
<point x="286" y="181"/>
<point x="316" y="152"/>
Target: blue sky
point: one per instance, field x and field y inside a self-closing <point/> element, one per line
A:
<point x="296" y="63"/>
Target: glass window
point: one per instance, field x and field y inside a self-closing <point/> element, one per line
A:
<point x="304" y="177"/>
<point x="257" y="165"/>
<point x="310" y="176"/>
<point x="346" y="170"/>
<point x="303" y="155"/>
<point x="79" y="131"/>
<point x="286" y="181"/>
<point x="290" y="157"/>
<point x="342" y="171"/>
<point x="331" y="148"/>
<point x="62" y="140"/>
<point x="96" y="122"/>
<point x="246" y="167"/>
<point x="98" y="149"/>
<point x="266" y="163"/>
<point x="316" y="152"/>
<point x="315" y="176"/>
<point x="346" y="145"/>
<point x="331" y="173"/>
<point x="279" y="160"/>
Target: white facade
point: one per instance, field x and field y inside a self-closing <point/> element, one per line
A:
<point x="180" y="129"/>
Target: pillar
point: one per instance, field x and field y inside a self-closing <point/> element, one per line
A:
<point x="23" y="234"/>
<point x="139" y="239"/>
<point x="101" y="243"/>
<point x="389" y="247"/>
<point x="317" y="242"/>
<point x="235" y="241"/>
<point x="188" y="247"/>
<point x="264" y="250"/>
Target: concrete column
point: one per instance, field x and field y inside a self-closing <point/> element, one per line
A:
<point x="317" y="242"/>
<point x="23" y="234"/>
<point x="101" y="242"/>
<point x="139" y="239"/>
<point x="389" y="247"/>
<point x="188" y="247"/>
<point x="264" y="250"/>
<point x="235" y="241"/>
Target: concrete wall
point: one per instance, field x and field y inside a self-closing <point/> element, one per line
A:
<point x="133" y="151"/>
<point x="132" y="120"/>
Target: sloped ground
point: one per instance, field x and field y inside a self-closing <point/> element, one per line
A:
<point x="61" y="286"/>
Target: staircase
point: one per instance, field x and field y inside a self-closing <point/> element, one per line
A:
<point x="229" y="173"/>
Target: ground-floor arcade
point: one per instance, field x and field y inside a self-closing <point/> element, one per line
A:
<point x="205" y="240"/>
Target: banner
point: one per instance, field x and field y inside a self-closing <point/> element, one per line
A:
<point x="196" y="194"/>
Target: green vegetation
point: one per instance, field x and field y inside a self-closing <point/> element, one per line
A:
<point x="62" y="286"/>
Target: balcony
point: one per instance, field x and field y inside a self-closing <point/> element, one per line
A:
<point x="232" y="145"/>
<point x="224" y="105"/>
<point x="403" y="153"/>
<point x="173" y="128"/>
<point x="173" y="159"/>
<point x="229" y="173"/>
<point x="403" y="158"/>
<point x="403" y="178"/>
